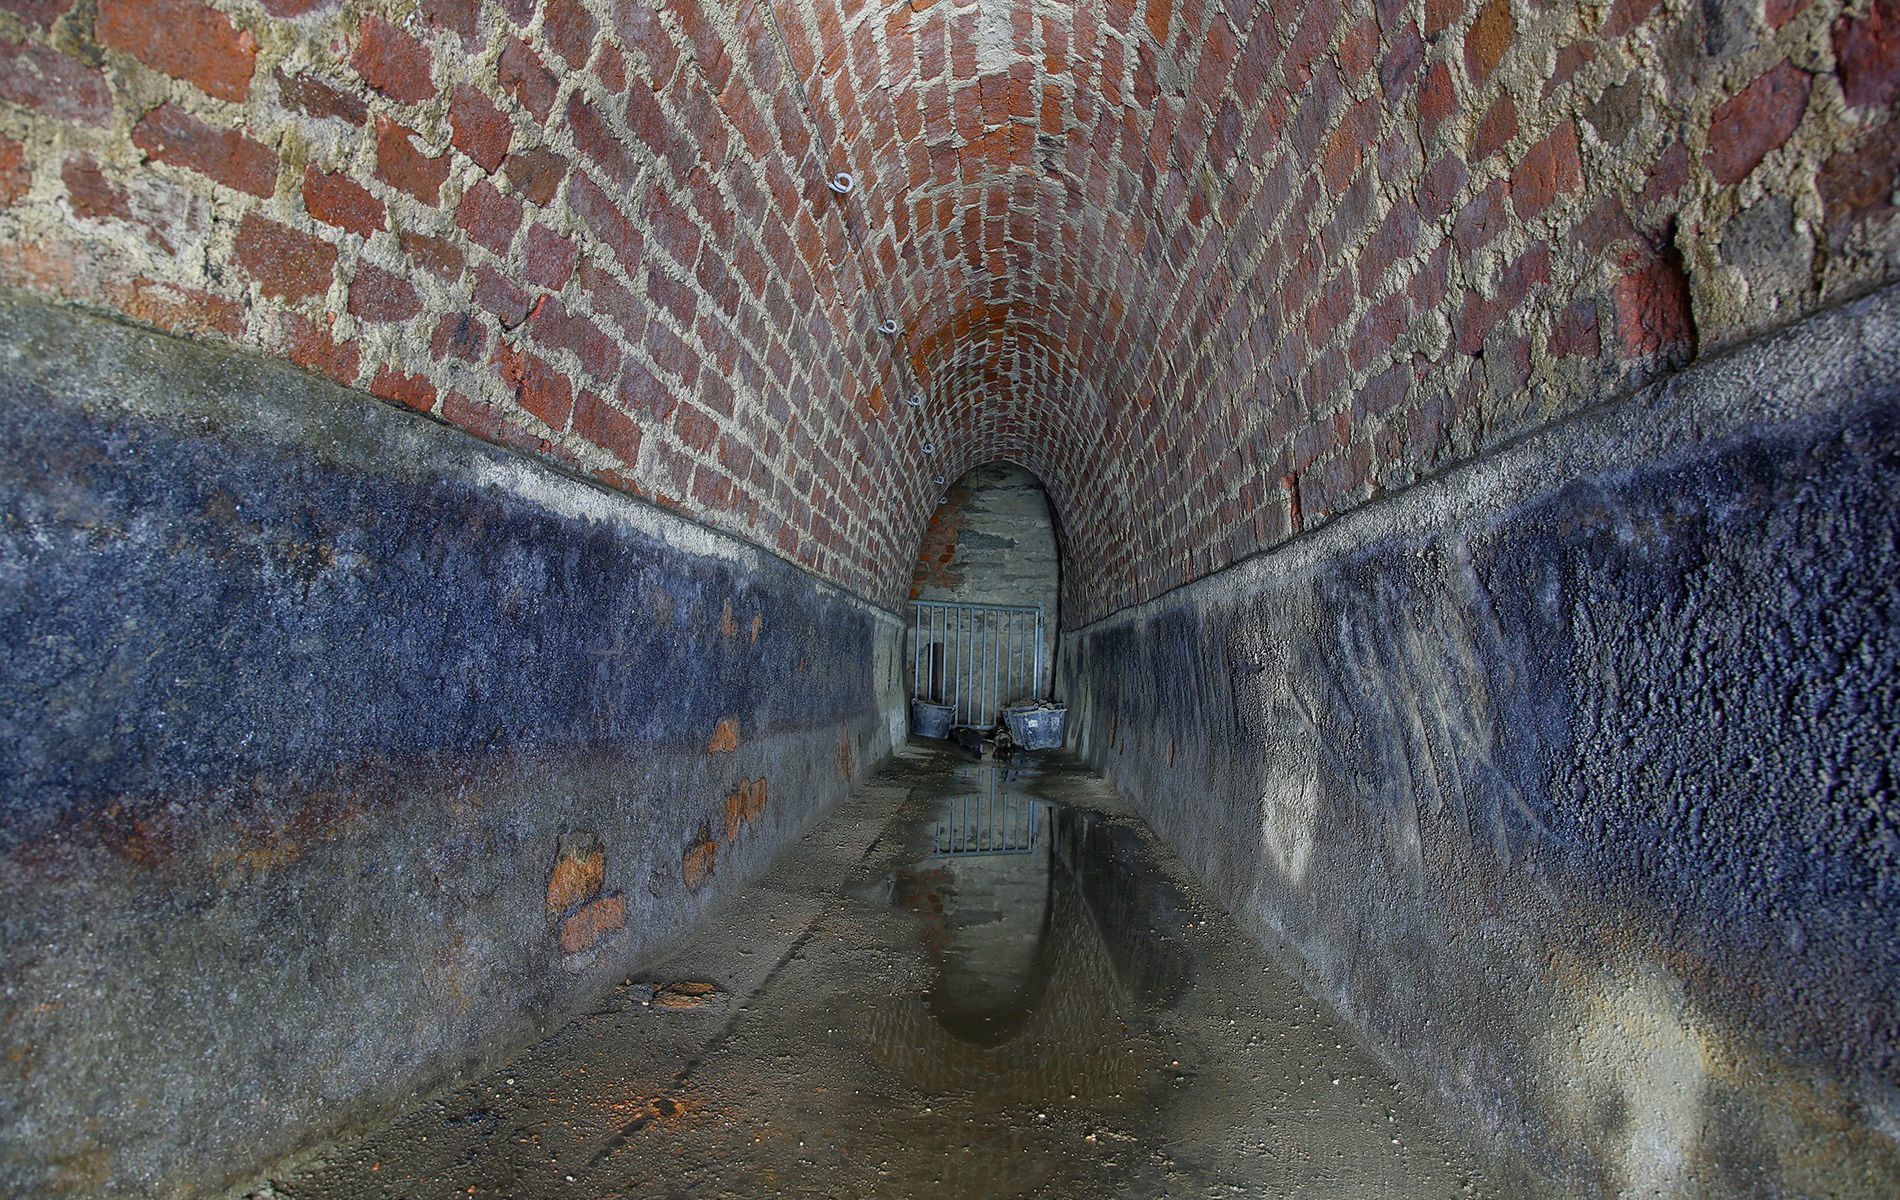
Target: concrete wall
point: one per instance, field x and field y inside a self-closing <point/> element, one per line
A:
<point x="340" y="752"/>
<point x="1570" y="776"/>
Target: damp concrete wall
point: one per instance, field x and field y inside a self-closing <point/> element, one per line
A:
<point x="1569" y="776"/>
<point x="340" y="752"/>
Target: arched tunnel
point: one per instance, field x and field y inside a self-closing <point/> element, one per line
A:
<point x="479" y="475"/>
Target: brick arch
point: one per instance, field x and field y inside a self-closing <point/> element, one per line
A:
<point x="1219" y="270"/>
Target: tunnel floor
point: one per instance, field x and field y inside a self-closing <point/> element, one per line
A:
<point x="970" y="979"/>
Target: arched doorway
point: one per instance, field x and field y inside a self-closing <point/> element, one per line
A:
<point x="984" y="596"/>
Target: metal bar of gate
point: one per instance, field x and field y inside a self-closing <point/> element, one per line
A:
<point x="976" y="658"/>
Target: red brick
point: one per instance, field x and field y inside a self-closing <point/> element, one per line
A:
<point x="1437" y="97"/>
<point x="440" y="256"/>
<point x="1498" y="127"/>
<point x="37" y="14"/>
<point x="1755" y="121"/>
<point x="1439" y="15"/>
<point x="184" y="39"/>
<point x="340" y="201"/>
<point x="610" y="67"/>
<point x="459" y="336"/>
<point x="524" y="76"/>
<point x="640" y="391"/>
<point x="1487" y="40"/>
<point x="1626" y="15"/>
<point x="296" y="8"/>
<point x="1779" y="12"/>
<point x="40" y="77"/>
<point x="1570" y="60"/>
<point x="613" y="301"/>
<point x="1668" y="175"/>
<point x="1482" y="219"/>
<point x="410" y="391"/>
<point x="1358" y="49"/>
<point x="672" y="296"/>
<point x="314" y="98"/>
<point x="497" y="294"/>
<point x="489" y="217"/>
<point x="1857" y="183"/>
<point x="1311" y="36"/>
<point x="555" y="328"/>
<point x="1440" y="186"/>
<point x="90" y="193"/>
<point x="288" y="265"/>
<point x="597" y="140"/>
<point x="310" y="346"/>
<point x="640" y="29"/>
<point x="607" y="427"/>
<point x="182" y="309"/>
<point x="696" y="430"/>
<point x="1653" y="313"/>
<point x="1575" y="334"/>
<point x="536" y="173"/>
<point x="1156" y="15"/>
<point x="550" y="258"/>
<point x="402" y="166"/>
<point x="1867" y="55"/>
<point x="1400" y="65"/>
<point x="1345" y="148"/>
<point x="15" y="178"/>
<point x="480" y="130"/>
<point x="569" y="30"/>
<point x="380" y="298"/>
<point x="460" y="17"/>
<point x="539" y="388"/>
<point x="671" y="227"/>
<point x="392" y="62"/>
<point x="708" y="51"/>
<point x="1548" y="170"/>
<point x="169" y="134"/>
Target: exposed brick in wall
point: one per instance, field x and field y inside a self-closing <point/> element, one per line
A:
<point x="1215" y="273"/>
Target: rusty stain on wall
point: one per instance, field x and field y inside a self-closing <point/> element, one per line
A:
<point x="578" y="872"/>
<point x="592" y="922"/>
<point x="700" y="859"/>
<point x="744" y="805"/>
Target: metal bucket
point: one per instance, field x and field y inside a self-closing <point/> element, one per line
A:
<point x="930" y="720"/>
<point x="1036" y="726"/>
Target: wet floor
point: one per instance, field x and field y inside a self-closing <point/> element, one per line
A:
<point x="969" y="980"/>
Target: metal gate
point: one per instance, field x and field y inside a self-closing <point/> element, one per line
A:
<point x="975" y="657"/>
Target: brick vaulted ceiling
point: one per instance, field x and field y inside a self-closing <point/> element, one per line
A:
<point x="1213" y="272"/>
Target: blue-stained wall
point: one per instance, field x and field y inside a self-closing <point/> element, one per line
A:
<point x="1571" y="776"/>
<point x="301" y="695"/>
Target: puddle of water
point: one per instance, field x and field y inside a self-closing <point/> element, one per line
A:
<point x="1046" y="944"/>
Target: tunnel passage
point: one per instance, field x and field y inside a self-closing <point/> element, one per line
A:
<point x="1468" y="422"/>
<point x="985" y="598"/>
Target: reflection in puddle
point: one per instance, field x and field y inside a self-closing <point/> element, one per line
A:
<point x="1045" y="940"/>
